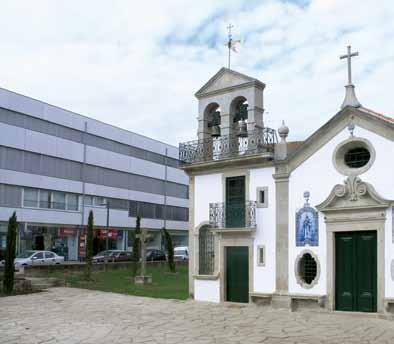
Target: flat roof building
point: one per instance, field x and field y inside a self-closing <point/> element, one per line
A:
<point x="56" y="166"/>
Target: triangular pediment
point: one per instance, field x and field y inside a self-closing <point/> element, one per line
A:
<point x="353" y="194"/>
<point x="226" y="79"/>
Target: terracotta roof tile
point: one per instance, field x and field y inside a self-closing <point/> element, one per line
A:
<point x="377" y="114"/>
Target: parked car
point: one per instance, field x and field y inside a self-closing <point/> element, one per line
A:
<point x="103" y="256"/>
<point x="181" y="253"/>
<point x="37" y="258"/>
<point x="122" y="256"/>
<point x="154" y="255"/>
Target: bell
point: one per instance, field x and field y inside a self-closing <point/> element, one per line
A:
<point x="242" y="129"/>
<point x="215" y="131"/>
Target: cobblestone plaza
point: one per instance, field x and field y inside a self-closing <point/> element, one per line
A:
<point x="71" y="316"/>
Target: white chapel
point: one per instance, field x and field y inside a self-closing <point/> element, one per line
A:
<point x="289" y="224"/>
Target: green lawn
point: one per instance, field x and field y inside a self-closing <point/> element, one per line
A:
<point x="164" y="284"/>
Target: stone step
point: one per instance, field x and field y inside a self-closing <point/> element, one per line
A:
<point x="281" y="302"/>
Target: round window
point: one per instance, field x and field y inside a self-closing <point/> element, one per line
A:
<point x="307" y="268"/>
<point x="357" y="157"/>
<point x="354" y="156"/>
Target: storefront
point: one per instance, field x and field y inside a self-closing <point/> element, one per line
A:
<point x="115" y="241"/>
<point x="61" y="240"/>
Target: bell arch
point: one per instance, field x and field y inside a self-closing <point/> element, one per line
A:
<point x="212" y="118"/>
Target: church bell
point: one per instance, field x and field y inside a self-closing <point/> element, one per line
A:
<point x="215" y="131"/>
<point x="242" y="129"/>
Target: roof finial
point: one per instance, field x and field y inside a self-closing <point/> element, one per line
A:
<point x="350" y="97"/>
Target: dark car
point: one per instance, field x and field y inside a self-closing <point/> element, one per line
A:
<point x="122" y="256"/>
<point x="153" y="255"/>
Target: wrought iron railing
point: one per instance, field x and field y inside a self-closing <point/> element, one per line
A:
<point x="232" y="216"/>
<point x="258" y="141"/>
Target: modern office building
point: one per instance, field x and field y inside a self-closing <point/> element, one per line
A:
<point x="56" y="166"/>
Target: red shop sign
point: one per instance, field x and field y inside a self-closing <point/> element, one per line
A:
<point x="67" y="232"/>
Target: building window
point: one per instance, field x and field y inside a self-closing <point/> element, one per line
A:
<point x="88" y="201"/>
<point x="99" y="201"/>
<point x="262" y="197"/>
<point x="307" y="269"/>
<point x="261" y="255"/>
<point x="30" y="198"/>
<point x="72" y="202"/>
<point x="206" y="251"/>
<point x="45" y="199"/>
<point x="59" y="200"/>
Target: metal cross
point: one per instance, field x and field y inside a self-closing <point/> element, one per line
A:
<point x="349" y="56"/>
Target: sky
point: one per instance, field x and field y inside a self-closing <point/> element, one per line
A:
<point x="137" y="64"/>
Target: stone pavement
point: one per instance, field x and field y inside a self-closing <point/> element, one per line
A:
<point x="65" y="315"/>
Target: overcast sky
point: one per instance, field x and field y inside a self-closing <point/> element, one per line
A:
<point x="137" y="64"/>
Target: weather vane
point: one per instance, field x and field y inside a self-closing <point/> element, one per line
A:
<point x="231" y="44"/>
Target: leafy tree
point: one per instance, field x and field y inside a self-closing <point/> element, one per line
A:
<point x="136" y="243"/>
<point x="170" y="249"/>
<point x="89" y="245"/>
<point x="9" y="269"/>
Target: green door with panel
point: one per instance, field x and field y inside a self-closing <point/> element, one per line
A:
<point x="235" y="202"/>
<point x="237" y="274"/>
<point x="356" y="271"/>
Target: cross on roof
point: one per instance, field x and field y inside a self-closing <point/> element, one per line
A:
<point x="349" y="56"/>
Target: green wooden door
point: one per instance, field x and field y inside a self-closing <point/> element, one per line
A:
<point x="237" y="274"/>
<point x="235" y="202"/>
<point x="356" y="271"/>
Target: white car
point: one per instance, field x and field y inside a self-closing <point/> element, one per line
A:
<point x="37" y="258"/>
<point x="181" y="253"/>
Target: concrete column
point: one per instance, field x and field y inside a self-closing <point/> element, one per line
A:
<point x="225" y="124"/>
<point x="255" y="118"/>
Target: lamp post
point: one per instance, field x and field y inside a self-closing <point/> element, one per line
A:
<point x="106" y="204"/>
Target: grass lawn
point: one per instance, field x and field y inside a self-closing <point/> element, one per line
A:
<point x="164" y="284"/>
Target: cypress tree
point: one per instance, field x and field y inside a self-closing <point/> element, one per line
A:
<point x="9" y="269"/>
<point x="170" y="249"/>
<point x="89" y="246"/>
<point x="136" y="243"/>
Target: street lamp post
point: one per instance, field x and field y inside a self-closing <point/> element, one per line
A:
<point x="106" y="238"/>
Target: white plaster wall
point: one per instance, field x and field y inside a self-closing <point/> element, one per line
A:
<point x="207" y="290"/>
<point x="318" y="176"/>
<point x="208" y="189"/>
<point x="264" y="276"/>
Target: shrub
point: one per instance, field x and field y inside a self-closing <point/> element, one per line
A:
<point x="89" y="245"/>
<point x="9" y="269"/>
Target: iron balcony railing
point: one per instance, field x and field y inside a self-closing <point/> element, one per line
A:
<point x="224" y="147"/>
<point x="232" y="216"/>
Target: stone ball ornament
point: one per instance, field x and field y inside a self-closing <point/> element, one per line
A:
<point x="283" y="130"/>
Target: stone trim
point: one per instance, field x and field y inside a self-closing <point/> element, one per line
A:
<point x="236" y="173"/>
<point x="297" y="273"/>
<point x="191" y="236"/>
<point x="207" y="277"/>
<point x="335" y="125"/>
<point x="282" y="229"/>
<point x="338" y="156"/>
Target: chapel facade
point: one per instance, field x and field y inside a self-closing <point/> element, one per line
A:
<point x="289" y="224"/>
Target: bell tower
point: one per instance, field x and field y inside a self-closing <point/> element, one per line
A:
<point x="230" y="103"/>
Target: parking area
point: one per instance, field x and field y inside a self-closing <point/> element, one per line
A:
<point x="67" y="315"/>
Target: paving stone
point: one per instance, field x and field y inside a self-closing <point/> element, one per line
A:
<point x="70" y="316"/>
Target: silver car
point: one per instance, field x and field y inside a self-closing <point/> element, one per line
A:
<point x="37" y="258"/>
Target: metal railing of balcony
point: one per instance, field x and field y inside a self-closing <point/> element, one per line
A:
<point x="230" y="146"/>
<point x="233" y="216"/>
